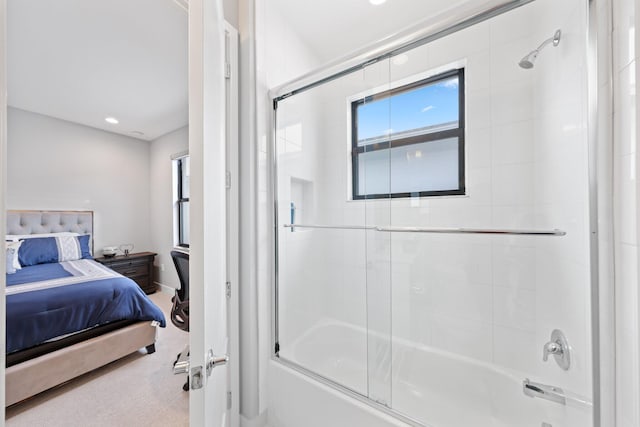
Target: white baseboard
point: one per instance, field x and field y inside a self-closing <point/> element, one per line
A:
<point x="166" y="289"/>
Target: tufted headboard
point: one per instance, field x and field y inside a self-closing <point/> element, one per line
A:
<point x="37" y="222"/>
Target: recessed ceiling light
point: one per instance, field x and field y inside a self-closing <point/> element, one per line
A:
<point x="112" y="120"/>
<point x="377" y="2"/>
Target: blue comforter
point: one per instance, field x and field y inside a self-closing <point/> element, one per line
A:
<point x="46" y="301"/>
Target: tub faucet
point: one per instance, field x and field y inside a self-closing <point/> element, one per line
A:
<point x="543" y="391"/>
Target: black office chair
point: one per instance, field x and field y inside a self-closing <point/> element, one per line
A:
<point x="180" y="310"/>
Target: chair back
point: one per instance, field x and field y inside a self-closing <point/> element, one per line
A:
<point x="180" y="309"/>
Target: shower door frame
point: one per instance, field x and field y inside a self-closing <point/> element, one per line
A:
<point x="422" y="34"/>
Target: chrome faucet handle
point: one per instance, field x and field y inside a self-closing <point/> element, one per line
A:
<point x="559" y="347"/>
<point x="552" y="347"/>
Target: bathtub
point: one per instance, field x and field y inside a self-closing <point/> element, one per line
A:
<point x="426" y="386"/>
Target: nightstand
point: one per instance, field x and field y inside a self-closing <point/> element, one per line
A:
<point x="137" y="266"/>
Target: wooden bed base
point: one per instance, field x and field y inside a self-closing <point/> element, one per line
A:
<point x="34" y="376"/>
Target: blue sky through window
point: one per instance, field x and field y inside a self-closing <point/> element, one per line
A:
<point x="424" y="106"/>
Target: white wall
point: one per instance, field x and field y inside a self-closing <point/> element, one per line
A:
<point x="59" y="165"/>
<point x="161" y="201"/>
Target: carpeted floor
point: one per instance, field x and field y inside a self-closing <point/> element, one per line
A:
<point x="138" y="390"/>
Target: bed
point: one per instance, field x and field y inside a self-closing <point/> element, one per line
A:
<point x="66" y="314"/>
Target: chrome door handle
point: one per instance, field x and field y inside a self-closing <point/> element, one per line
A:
<point x="197" y="380"/>
<point x="214" y="360"/>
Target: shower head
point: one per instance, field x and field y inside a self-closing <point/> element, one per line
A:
<point x="528" y="61"/>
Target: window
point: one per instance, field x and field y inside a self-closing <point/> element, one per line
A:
<point x="409" y="141"/>
<point x="182" y="200"/>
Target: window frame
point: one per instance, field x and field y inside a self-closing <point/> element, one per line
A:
<point x="180" y="201"/>
<point x="458" y="132"/>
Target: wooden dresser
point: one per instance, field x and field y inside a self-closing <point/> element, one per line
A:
<point x="136" y="266"/>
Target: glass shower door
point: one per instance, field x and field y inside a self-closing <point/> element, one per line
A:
<point x="323" y="240"/>
<point x="433" y="227"/>
<point x="332" y="181"/>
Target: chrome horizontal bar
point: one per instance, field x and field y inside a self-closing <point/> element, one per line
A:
<point x="332" y="227"/>
<point x="392" y="229"/>
<point x="554" y="232"/>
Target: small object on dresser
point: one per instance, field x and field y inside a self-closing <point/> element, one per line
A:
<point x="126" y="248"/>
<point x="109" y="251"/>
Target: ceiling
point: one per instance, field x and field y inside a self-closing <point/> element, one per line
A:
<point x="333" y="28"/>
<point x="85" y="60"/>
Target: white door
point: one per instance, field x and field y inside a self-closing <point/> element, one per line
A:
<point x="208" y="251"/>
<point x="233" y="220"/>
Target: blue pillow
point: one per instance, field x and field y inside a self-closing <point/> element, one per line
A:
<point x="85" y="252"/>
<point x="43" y="250"/>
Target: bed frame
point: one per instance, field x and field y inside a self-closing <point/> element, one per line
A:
<point x="35" y="370"/>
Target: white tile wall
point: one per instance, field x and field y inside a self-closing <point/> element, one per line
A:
<point x="521" y="353"/>
<point x="458" y="335"/>
<point x="511" y="101"/>
<point x="513" y="143"/>
<point x="514" y="266"/>
<point x="513" y="184"/>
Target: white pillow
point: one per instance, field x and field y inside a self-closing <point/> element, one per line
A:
<point x="15" y="246"/>
<point x="10" y="252"/>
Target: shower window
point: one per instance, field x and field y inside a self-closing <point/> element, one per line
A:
<point x="408" y="141"/>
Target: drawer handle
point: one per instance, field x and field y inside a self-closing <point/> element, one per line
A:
<point x="130" y="272"/>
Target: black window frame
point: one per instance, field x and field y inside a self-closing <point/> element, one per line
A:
<point x="458" y="132"/>
<point x="181" y="200"/>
